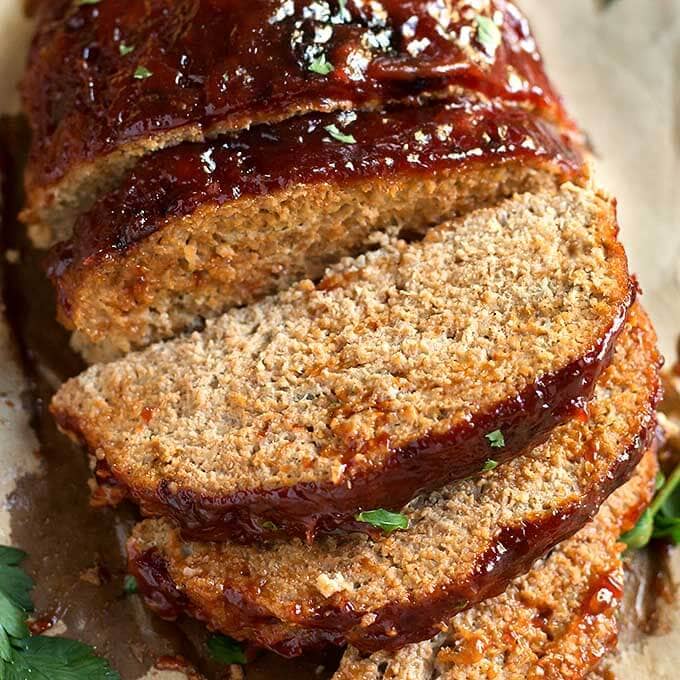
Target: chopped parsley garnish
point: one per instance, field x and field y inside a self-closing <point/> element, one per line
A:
<point x="130" y="585"/>
<point x="490" y="465"/>
<point x="321" y="66"/>
<point x="225" y="650"/>
<point x="269" y="525"/>
<point x="496" y="439"/>
<point x="662" y="518"/>
<point x="22" y="656"/>
<point x="87" y="2"/>
<point x="384" y="519"/>
<point x="333" y="131"/>
<point x="343" y="13"/>
<point x="141" y="72"/>
<point x="488" y="34"/>
<point x="125" y="49"/>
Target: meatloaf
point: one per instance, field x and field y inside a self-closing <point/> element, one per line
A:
<point x="463" y="544"/>
<point x="110" y="81"/>
<point x="402" y="370"/>
<point x="199" y="228"/>
<point x="558" y="621"/>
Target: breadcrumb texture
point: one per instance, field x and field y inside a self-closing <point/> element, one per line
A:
<point x="464" y="543"/>
<point x="557" y="622"/>
<point x="109" y="82"/>
<point x="323" y="385"/>
<point x="199" y="228"/>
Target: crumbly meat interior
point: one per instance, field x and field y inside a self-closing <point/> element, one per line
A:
<point x="227" y="255"/>
<point x="398" y="343"/>
<point x="449" y="530"/>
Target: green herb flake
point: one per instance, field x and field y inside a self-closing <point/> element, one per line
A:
<point x="141" y="73"/>
<point x="662" y="518"/>
<point x="269" y="525"/>
<point x="225" y="650"/>
<point x="125" y="49"/>
<point x="490" y="465"/>
<point x="23" y="657"/>
<point x="79" y="3"/>
<point x="496" y="439"/>
<point x="384" y="519"/>
<point x="321" y="66"/>
<point x="488" y="34"/>
<point x="130" y="585"/>
<point x="641" y="534"/>
<point x="333" y="131"/>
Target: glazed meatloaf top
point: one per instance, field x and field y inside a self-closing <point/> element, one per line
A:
<point x="112" y="80"/>
<point x="401" y="371"/>
<point x="556" y="622"/>
<point x="199" y="228"/>
<point x="463" y="544"/>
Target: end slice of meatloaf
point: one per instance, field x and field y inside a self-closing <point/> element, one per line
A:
<point x="558" y="621"/>
<point x="464" y="544"/>
<point x="401" y="371"/>
<point x="109" y="82"/>
<point x="199" y="228"/>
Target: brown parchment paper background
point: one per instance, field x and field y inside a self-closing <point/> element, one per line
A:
<point x="619" y="70"/>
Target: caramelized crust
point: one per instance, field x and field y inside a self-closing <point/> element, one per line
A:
<point x="379" y="383"/>
<point x="108" y="82"/>
<point x="464" y="543"/>
<point x="199" y="228"/>
<point x="556" y="622"/>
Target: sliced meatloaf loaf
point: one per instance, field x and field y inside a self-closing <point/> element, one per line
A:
<point x="463" y="545"/>
<point x="556" y="622"/>
<point x="199" y="228"/>
<point x="110" y="81"/>
<point x="402" y="370"/>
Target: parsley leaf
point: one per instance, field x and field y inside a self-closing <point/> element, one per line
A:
<point x="496" y="439"/>
<point x="141" y="72"/>
<point x="87" y="2"/>
<point x="11" y="556"/>
<point x="490" y="465"/>
<point x="57" y="659"/>
<point x="225" y="650"/>
<point x="43" y="658"/>
<point x="333" y="131"/>
<point x="662" y="518"/>
<point x="488" y="34"/>
<point x="384" y="519"/>
<point x="321" y="66"/>
<point x="16" y="585"/>
<point x="130" y="585"/>
<point x="125" y="49"/>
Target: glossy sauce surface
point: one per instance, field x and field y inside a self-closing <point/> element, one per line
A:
<point x="337" y="148"/>
<point x="105" y="74"/>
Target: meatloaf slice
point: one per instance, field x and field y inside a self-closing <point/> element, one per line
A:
<point x="464" y="544"/>
<point x="110" y="81"/>
<point x="555" y="622"/>
<point x="199" y="228"/>
<point x="401" y="371"/>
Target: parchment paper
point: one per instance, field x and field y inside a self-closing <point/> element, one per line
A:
<point x="619" y="70"/>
